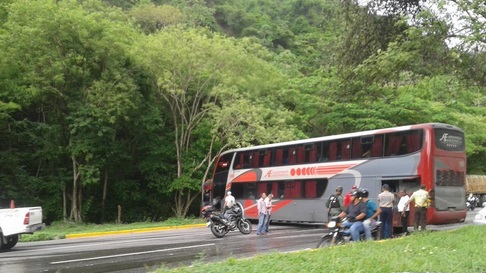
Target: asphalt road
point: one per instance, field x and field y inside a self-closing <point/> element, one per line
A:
<point x="145" y="252"/>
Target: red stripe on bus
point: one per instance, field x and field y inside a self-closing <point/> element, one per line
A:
<point x="248" y="176"/>
<point x="251" y="209"/>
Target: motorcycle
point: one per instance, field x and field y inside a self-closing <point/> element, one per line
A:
<point x="221" y="225"/>
<point x="471" y="203"/>
<point x="337" y="234"/>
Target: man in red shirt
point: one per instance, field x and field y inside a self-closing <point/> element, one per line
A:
<point x="347" y="197"/>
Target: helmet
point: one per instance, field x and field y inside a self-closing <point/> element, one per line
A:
<point x="229" y="193"/>
<point x="354" y="187"/>
<point x="355" y="193"/>
<point x="339" y="188"/>
<point x="364" y="193"/>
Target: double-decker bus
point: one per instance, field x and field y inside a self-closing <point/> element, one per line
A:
<point x="303" y="174"/>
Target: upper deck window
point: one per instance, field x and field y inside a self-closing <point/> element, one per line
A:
<point x="449" y="140"/>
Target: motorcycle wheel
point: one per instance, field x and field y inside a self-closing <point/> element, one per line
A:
<point x="218" y="230"/>
<point x="325" y="241"/>
<point x="244" y="226"/>
<point x="376" y="234"/>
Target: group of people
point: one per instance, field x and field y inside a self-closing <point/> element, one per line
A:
<point x="264" y="205"/>
<point x="362" y="213"/>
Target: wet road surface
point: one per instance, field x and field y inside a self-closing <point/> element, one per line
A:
<point x="145" y="252"/>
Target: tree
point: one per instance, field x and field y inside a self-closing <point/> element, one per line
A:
<point x="152" y="18"/>
<point x="68" y="64"/>
<point x="201" y="76"/>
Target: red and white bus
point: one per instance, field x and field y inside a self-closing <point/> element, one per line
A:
<point x="303" y="174"/>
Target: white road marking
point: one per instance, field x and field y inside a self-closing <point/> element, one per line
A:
<point x="128" y="254"/>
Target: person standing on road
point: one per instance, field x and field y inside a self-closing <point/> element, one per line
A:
<point x="404" y="210"/>
<point x="335" y="203"/>
<point x="385" y="200"/>
<point x="420" y="198"/>
<point x="262" y="212"/>
<point x="268" y="206"/>
<point x="347" y="197"/>
<point x="229" y="202"/>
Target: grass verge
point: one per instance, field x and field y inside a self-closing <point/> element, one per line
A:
<point x="460" y="250"/>
<point x="59" y="230"/>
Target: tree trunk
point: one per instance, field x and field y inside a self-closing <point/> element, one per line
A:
<point x="103" y="201"/>
<point x="76" y="202"/>
<point x="64" y="202"/>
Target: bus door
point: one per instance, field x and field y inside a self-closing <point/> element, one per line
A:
<point x="409" y="184"/>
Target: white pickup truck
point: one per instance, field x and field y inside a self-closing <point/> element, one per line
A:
<point x="16" y="221"/>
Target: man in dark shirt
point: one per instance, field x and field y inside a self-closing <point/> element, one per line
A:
<point x="356" y="214"/>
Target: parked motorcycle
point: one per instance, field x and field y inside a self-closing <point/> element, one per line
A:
<point x="220" y="225"/>
<point x="338" y="236"/>
<point x="471" y="202"/>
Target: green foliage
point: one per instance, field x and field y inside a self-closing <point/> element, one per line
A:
<point x="137" y="100"/>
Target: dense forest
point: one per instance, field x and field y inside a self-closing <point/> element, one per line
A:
<point x="125" y="104"/>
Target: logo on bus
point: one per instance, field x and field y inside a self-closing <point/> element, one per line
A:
<point x="450" y="140"/>
<point x="272" y="173"/>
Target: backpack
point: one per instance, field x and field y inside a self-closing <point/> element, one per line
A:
<point x="334" y="202"/>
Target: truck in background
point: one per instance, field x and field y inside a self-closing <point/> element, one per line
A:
<point x="17" y="221"/>
<point x="476" y="184"/>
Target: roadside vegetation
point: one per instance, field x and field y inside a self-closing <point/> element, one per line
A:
<point x="59" y="230"/>
<point x="460" y="250"/>
<point x="118" y="109"/>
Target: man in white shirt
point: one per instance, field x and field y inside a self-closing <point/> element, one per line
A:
<point x="262" y="213"/>
<point x="404" y="209"/>
<point x="268" y="206"/>
<point x="385" y="201"/>
<point x="229" y="201"/>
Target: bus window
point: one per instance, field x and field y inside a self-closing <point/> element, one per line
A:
<point x="265" y="157"/>
<point x="357" y="149"/>
<point x="345" y="149"/>
<point x="377" y="146"/>
<point x="322" y="149"/>
<point x="310" y="189"/>
<point x="284" y="156"/>
<point x="403" y="142"/>
<point x="449" y="140"/>
<point x="414" y="141"/>
<point x="255" y="159"/>
<point x="362" y="147"/>
<point x="333" y="151"/>
<point x="306" y="153"/>
<point x="393" y="144"/>
<point x="243" y="160"/>
<point x="278" y="157"/>
<point x="291" y="156"/>
<point x="224" y="163"/>
<point x="293" y="189"/>
<point x="310" y="153"/>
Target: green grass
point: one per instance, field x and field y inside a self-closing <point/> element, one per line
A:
<point x="460" y="250"/>
<point x="59" y="230"/>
